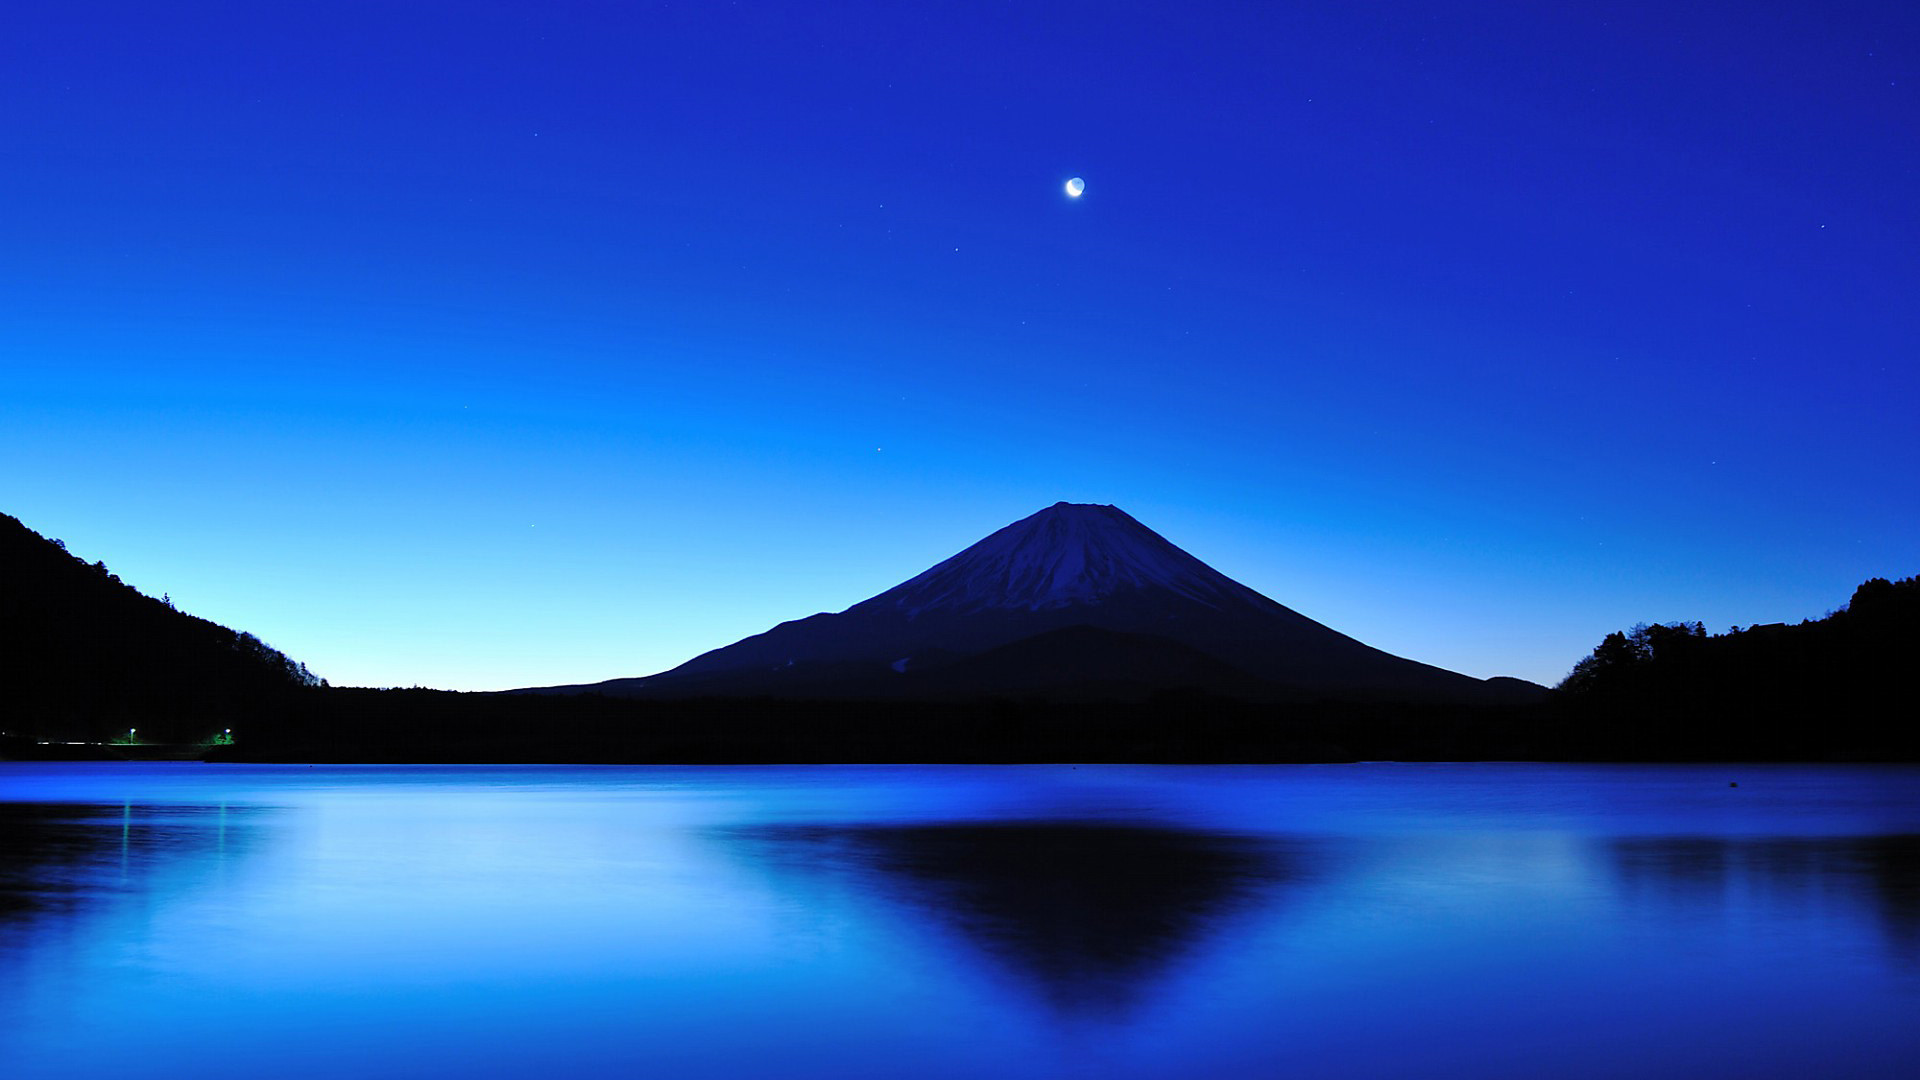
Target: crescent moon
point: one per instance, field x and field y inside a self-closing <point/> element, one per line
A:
<point x="1075" y="186"/>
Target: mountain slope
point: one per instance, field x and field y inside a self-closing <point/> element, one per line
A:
<point x="1070" y="565"/>
<point x="89" y="656"/>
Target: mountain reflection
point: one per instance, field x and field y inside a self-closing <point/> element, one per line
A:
<point x="1880" y="874"/>
<point x="1091" y="914"/>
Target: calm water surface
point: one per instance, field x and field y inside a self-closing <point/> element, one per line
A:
<point x="1317" y="921"/>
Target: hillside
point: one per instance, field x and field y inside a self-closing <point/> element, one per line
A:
<point x="1842" y="685"/>
<point x="89" y="656"/>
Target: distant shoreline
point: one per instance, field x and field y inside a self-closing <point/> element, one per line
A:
<point x="425" y="726"/>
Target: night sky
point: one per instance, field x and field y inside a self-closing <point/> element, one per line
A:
<point x="479" y="345"/>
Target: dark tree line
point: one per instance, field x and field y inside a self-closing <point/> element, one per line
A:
<point x="1631" y="654"/>
<point x="87" y="656"/>
<point x="1842" y="685"/>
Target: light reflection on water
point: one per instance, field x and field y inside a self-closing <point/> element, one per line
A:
<point x="852" y="922"/>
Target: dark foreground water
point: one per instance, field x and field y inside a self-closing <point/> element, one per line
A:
<point x="1312" y="921"/>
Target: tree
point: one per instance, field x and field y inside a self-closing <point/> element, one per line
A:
<point x="1629" y="656"/>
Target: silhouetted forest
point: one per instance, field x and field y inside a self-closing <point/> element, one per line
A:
<point x="435" y="725"/>
<point x="1838" y="687"/>
<point x="89" y="657"/>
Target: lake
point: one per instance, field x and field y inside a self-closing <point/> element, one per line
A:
<point x="1316" y="921"/>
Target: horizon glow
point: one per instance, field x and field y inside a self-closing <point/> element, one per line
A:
<point x="478" y="346"/>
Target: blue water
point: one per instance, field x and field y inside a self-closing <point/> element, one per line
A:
<point x="1314" y="921"/>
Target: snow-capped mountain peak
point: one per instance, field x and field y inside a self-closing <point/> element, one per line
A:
<point x="1067" y="554"/>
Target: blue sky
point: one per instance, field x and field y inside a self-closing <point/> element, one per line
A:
<point x="484" y="345"/>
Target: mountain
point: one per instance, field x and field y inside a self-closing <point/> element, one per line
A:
<point x="89" y="656"/>
<point x="1076" y="599"/>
